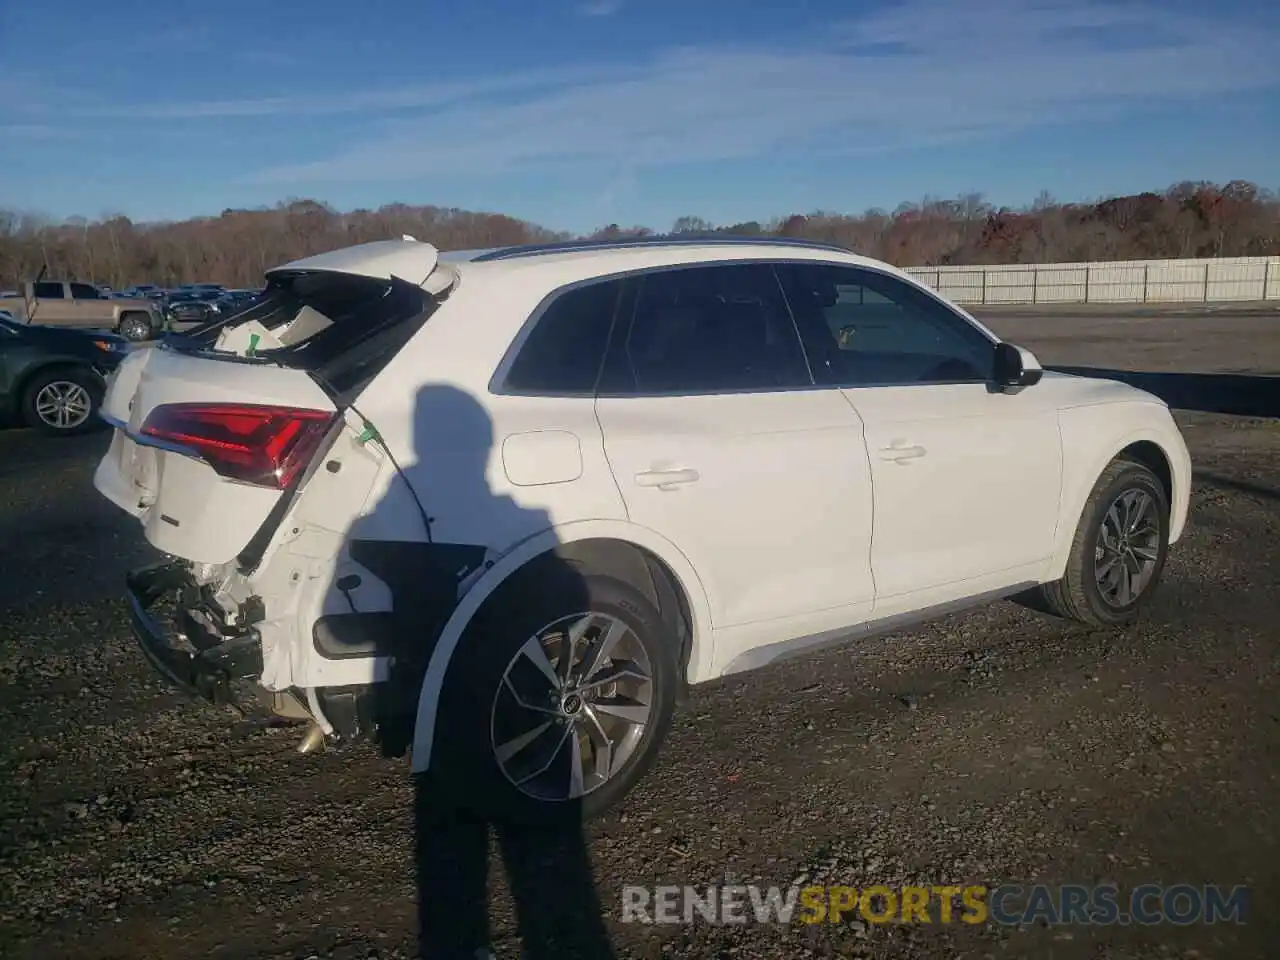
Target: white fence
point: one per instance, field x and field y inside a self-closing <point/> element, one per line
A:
<point x="1121" y="281"/>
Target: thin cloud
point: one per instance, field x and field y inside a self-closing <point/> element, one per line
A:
<point x="961" y="70"/>
<point x="600" y="8"/>
<point x="36" y="132"/>
<point x="369" y="102"/>
<point x="917" y="74"/>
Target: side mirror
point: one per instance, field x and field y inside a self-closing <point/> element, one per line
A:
<point x="1015" y="367"/>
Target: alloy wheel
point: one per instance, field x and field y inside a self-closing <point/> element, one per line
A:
<point x="1127" y="548"/>
<point x="572" y="707"/>
<point x="135" y="329"/>
<point x="63" y="404"/>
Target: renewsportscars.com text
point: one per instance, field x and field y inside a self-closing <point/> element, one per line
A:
<point x="1007" y="904"/>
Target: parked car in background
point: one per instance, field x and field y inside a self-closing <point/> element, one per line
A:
<point x="192" y="306"/>
<point x="509" y="506"/>
<point x="53" y="379"/>
<point x="60" y="304"/>
<point x="233" y="301"/>
<point x="149" y="291"/>
<point x="199" y="288"/>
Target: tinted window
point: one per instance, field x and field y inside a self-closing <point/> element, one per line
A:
<point x="82" y="291"/>
<point x="564" y="350"/>
<point x="707" y="330"/>
<point x="48" y="291"/>
<point x="865" y="327"/>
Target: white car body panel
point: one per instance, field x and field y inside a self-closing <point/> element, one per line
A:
<point x="768" y="494"/>
<point x="966" y="482"/>
<point x="789" y="520"/>
<point x="383" y="259"/>
<point x="186" y="508"/>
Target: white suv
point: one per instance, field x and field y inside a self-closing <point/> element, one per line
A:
<point x="503" y="505"/>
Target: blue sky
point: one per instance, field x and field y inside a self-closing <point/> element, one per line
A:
<point x="578" y="113"/>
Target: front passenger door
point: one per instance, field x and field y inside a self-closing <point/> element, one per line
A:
<point x="966" y="479"/>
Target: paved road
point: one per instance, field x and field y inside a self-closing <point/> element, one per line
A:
<point x="1224" y="339"/>
<point x="999" y="746"/>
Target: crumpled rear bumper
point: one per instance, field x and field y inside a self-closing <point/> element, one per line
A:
<point x="192" y="655"/>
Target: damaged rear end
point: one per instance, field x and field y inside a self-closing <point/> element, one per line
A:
<point x="239" y="448"/>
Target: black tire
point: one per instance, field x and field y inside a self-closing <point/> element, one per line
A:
<point x="136" y="326"/>
<point x="53" y="377"/>
<point x="1078" y="595"/>
<point x="465" y="774"/>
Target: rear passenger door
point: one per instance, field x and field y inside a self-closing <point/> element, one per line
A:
<point x="720" y="442"/>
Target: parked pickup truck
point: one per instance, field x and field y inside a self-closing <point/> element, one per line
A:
<point x="57" y="304"/>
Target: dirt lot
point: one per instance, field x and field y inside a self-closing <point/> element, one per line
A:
<point x="995" y="747"/>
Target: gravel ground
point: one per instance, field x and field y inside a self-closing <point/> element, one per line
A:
<point x="995" y="747"/>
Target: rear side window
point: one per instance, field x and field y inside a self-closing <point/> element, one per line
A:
<point x="48" y="291"/>
<point x="564" y="350"/>
<point x="82" y="291"/>
<point x="708" y="329"/>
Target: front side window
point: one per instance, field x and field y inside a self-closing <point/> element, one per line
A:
<point x="566" y="346"/>
<point x="862" y="327"/>
<point x="82" y="291"/>
<point x="707" y="329"/>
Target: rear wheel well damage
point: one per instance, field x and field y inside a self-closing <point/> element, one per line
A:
<point x="423" y="579"/>
<point x="619" y="560"/>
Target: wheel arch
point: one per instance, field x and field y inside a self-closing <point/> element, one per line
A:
<point x="1149" y="445"/>
<point x="623" y="550"/>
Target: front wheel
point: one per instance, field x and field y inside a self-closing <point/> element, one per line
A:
<point x="1119" y="550"/>
<point x="62" y="402"/>
<point x="559" y="695"/>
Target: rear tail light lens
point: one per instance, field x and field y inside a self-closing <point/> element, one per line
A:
<point x="252" y="443"/>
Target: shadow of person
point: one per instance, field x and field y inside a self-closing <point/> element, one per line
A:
<point x="468" y="799"/>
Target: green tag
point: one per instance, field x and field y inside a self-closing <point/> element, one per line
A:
<point x="253" y="343"/>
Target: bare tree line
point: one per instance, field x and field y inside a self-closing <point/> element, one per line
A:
<point x="1185" y="220"/>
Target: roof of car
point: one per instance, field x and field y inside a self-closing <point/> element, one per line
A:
<point x="606" y="246"/>
<point x="566" y="261"/>
<point x="563" y="262"/>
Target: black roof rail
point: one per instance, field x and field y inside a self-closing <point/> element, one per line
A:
<point x="569" y="246"/>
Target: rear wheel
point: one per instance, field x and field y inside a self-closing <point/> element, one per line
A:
<point x="1119" y="549"/>
<point x="62" y="402"/>
<point x="558" y="698"/>
<point x="136" y="326"/>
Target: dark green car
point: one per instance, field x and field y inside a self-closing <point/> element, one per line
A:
<point x="54" y="378"/>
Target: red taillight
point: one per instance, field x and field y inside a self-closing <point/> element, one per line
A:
<point x="256" y="444"/>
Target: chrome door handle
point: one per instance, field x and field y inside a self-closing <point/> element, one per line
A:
<point x="665" y="479"/>
<point x="898" y="454"/>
